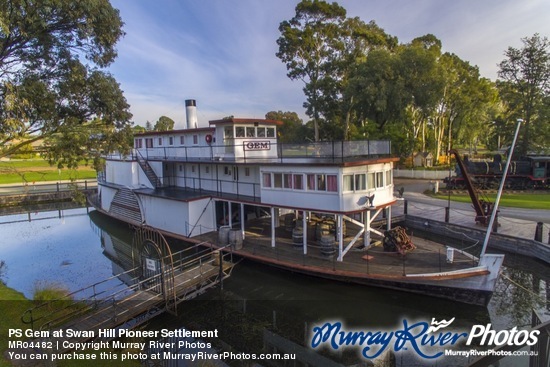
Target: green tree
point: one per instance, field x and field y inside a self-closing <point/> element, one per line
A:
<point x="524" y="86"/>
<point x="292" y="130"/>
<point x="357" y="40"/>
<point x="164" y="124"/>
<point x="464" y="105"/>
<point x="138" y="129"/>
<point x="52" y="53"/>
<point x="308" y="44"/>
<point x="148" y="126"/>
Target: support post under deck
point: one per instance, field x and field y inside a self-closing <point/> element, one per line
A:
<point x="340" y="237"/>
<point x="242" y="220"/>
<point x="272" y="227"/>
<point x="304" y="232"/>
<point x="366" y="237"/>
<point x="230" y="211"/>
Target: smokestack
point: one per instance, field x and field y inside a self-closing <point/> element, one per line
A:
<point x="191" y="113"/>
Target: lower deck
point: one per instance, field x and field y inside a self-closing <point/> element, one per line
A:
<point x="428" y="257"/>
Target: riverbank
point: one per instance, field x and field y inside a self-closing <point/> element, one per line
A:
<point x="46" y="192"/>
<point x="12" y="304"/>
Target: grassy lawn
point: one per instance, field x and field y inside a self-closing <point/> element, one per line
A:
<point x="523" y="200"/>
<point x="12" y="306"/>
<point x="36" y="170"/>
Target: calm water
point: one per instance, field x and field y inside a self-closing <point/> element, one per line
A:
<point x="71" y="248"/>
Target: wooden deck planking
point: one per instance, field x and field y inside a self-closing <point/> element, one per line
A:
<point x="428" y="257"/>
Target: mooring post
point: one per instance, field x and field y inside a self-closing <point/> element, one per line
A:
<point x="221" y="269"/>
<point x="406" y="207"/>
<point x="495" y="223"/>
<point x="447" y="210"/>
<point x="538" y="232"/>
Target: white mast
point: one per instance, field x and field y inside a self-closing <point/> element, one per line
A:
<point x="497" y="200"/>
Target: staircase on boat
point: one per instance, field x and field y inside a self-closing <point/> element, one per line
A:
<point x="149" y="172"/>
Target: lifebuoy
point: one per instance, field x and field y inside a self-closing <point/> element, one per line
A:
<point x="208" y="138"/>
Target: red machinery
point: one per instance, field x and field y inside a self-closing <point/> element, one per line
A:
<point x="483" y="208"/>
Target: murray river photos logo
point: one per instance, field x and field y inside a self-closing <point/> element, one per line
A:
<point x="427" y="340"/>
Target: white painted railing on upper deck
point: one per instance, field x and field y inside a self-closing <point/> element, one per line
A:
<point x="334" y="151"/>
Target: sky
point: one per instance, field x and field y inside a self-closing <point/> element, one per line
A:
<point x="222" y="52"/>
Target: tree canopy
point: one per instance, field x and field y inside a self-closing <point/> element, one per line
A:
<point x="525" y="88"/>
<point x="164" y="123"/>
<point x="52" y="82"/>
<point x="360" y="82"/>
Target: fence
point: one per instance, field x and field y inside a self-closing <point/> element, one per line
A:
<point x="422" y="174"/>
<point x="47" y="187"/>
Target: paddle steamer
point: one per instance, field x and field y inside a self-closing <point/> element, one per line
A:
<point x="312" y="208"/>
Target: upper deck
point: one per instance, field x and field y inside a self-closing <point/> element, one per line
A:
<point x="243" y="157"/>
<point x="251" y="141"/>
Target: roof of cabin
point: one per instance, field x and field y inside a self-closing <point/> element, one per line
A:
<point x="181" y="131"/>
<point x="233" y="120"/>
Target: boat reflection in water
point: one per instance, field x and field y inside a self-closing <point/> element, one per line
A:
<point x="264" y="310"/>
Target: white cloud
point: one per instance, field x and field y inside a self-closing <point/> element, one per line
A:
<point x="222" y="53"/>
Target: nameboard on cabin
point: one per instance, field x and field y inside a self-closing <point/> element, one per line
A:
<point x="257" y="145"/>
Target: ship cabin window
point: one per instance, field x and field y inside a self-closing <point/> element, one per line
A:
<point x="160" y="142"/>
<point x="266" y="178"/>
<point x="389" y="177"/>
<point x="239" y="131"/>
<point x="270" y="132"/>
<point x="195" y="139"/>
<point x="370" y="180"/>
<point x="311" y="182"/>
<point x="298" y="182"/>
<point x="207" y="169"/>
<point x="355" y="182"/>
<point x="193" y="169"/>
<point x="293" y="181"/>
<point x="321" y="183"/>
<point x="181" y="167"/>
<point x="379" y="179"/>
<point x="138" y="143"/>
<point x="287" y="181"/>
<point x="182" y="139"/>
<point x="260" y="132"/>
<point x="228" y="132"/>
<point x="278" y="180"/>
<point x="171" y="140"/>
<point x="226" y="170"/>
<point x="247" y="171"/>
<point x="149" y="142"/>
<point x="250" y="132"/>
<point x="332" y="183"/>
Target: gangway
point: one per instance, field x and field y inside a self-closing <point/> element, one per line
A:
<point x="158" y="284"/>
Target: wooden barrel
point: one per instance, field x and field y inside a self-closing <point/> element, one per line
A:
<point x="297" y="237"/>
<point x="289" y="222"/>
<point x="223" y="235"/>
<point x="326" y="244"/>
<point x="236" y="239"/>
<point x="322" y="229"/>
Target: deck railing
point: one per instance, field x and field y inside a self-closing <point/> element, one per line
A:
<point x="334" y="151"/>
<point x="110" y="292"/>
